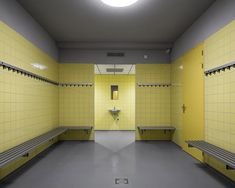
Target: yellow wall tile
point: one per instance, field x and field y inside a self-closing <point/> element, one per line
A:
<point x="126" y="102"/>
<point x="153" y="103"/>
<point x="177" y="100"/>
<point x="76" y="104"/>
<point x="220" y="94"/>
<point x="17" y="51"/>
<point x="28" y="107"/>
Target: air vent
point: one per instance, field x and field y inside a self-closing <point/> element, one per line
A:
<point x="115" y="54"/>
<point x="114" y="70"/>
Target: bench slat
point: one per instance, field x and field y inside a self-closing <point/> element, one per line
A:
<point x="156" y="127"/>
<point x="31" y="142"/>
<point x="27" y="144"/>
<point x="20" y="153"/>
<point x="218" y="151"/>
<point x="24" y="148"/>
<point x="85" y="128"/>
<point x="225" y="156"/>
<point x="215" y="154"/>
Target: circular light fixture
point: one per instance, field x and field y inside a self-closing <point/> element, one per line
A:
<point x="119" y="3"/>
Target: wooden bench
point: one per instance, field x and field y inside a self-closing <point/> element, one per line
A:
<point x="220" y="154"/>
<point x="143" y="128"/>
<point x="23" y="149"/>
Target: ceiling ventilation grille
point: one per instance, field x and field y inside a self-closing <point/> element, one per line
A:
<point x="115" y="54"/>
<point x="114" y="69"/>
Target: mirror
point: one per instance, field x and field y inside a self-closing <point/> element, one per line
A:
<point x="114" y="92"/>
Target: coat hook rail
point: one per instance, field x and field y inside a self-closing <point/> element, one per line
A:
<point x="76" y="84"/>
<point x="153" y="85"/>
<point x="223" y="68"/>
<point x="37" y="77"/>
<point x="26" y="73"/>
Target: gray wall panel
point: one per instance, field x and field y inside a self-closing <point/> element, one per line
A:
<point x="17" y="18"/>
<point x="217" y="16"/>
<point x="100" y="56"/>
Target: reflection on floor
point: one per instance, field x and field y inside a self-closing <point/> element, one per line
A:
<point x="115" y="140"/>
<point x="74" y="164"/>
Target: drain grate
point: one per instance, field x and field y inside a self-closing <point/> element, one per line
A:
<point x="121" y="181"/>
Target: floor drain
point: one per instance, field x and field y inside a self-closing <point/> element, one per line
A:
<point x="121" y="181"/>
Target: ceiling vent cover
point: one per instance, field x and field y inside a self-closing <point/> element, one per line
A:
<point x="114" y="69"/>
<point x="115" y="54"/>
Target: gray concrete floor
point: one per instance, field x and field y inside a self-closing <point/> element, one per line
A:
<point x="115" y="140"/>
<point x="74" y="164"/>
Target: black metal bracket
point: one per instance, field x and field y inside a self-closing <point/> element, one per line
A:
<point x="26" y="155"/>
<point x="229" y="167"/>
<point x="87" y="131"/>
<point x="51" y="140"/>
<point x="166" y="131"/>
<point x="142" y="131"/>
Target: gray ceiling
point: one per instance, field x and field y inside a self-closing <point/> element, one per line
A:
<point x="92" y="21"/>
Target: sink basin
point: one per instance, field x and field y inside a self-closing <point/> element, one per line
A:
<point x="114" y="111"/>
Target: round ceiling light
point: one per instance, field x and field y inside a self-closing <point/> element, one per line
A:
<point x="119" y="3"/>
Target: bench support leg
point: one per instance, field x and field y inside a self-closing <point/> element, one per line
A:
<point x="141" y="131"/>
<point x="87" y="131"/>
<point x="229" y="168"/>
<point x="26" y="155"/>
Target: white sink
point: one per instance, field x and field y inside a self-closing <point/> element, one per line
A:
<point x="114" y="111"/>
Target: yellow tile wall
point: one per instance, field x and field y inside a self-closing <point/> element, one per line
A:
<point x="28" y="107"/>
<point x="177" y="100"/>
<point x="71" y="72"/>
<point x="152" y="73"/>
<point x="193" y="99"/>
<point x="17" y="51"/>
<point x="126" y="102"/>
<point x="189" y="125"/>
<point x="219" y="48"/>
<point x="153" y="103"/>
<point x="220" y="94"/>
<point x="76" y="104"/>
